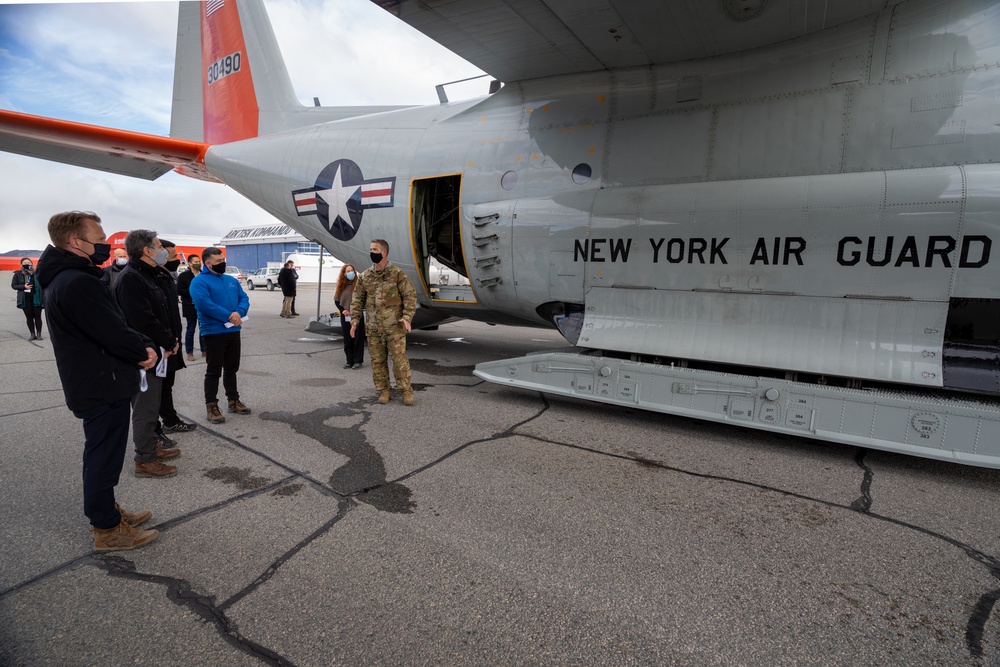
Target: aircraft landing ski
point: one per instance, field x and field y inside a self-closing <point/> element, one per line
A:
<point x="920" y="423"/>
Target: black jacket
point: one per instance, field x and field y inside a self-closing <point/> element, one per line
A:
<point x="286" y="278"/>
<point x="184" y="290"/>
<point x="144" y="303"/>
<point x="110" y="273"/>
<point x="168" y="286"/>
<point x="97" y="354"/>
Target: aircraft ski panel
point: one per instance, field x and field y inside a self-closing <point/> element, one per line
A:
<point x="893" y="341"/>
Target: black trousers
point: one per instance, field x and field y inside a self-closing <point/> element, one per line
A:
<point x="33" y="314"/>
<point x="354" y="348"/>
<point x="222" y="358"/>
<point x="105" y="429"/>
<point x="167" y="412"/>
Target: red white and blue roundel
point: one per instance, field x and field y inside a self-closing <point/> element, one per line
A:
<point x="340" y="197"/>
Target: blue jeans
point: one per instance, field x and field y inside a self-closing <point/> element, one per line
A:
<point x="105" y="430"/>
<point x="192" y="322"/>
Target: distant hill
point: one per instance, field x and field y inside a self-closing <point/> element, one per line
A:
<point x="21" y="253"/>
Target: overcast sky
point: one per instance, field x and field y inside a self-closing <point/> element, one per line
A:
<point x="111" y="64"/>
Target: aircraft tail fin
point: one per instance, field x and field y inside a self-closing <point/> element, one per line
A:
<point x="230" y="80"/>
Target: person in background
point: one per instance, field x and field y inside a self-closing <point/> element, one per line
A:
<point x="172" y="423"/>
<point x="29" y="297"/>
<point x="354" y="346"/>
<point x="286" y="279"/>
<point x="388" y="300"/>
<point x="295" y="275"/>
<point x="98" y="357"/>
<point x="220" y="300"/>
<point x="144" y="304"/>
<point x="187" y="306"/>
<point x="115" y="267"/>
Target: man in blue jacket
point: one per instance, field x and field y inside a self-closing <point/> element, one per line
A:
<point x="98" y="357"/>
<point x="220" y="301"/>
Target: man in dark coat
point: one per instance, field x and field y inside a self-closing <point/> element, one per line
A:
<point x="98" y="357"/>
<point x="111" y="271"/>
<point x="187" y="306"/>
<point x="172" y="423"/>
<point x="287" y="279"/>
<point x="144" y="305"/>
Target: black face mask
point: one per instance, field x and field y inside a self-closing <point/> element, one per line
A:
<point x="376" y="257"/>
<point x="172" y="265"/>
<point x="101" y="254"/>
<point x="26" y="268"/>
<point x="219" y="268"/>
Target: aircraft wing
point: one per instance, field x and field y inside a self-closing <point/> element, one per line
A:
<point x="134" y="154"/>
<point x="515" y="40"/>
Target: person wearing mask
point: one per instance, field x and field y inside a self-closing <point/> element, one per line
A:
<point x="98" y="357"/>
<point x="29" y="297"/>
<point x="220" y="300"/>
<point x="144" y="304"/>
<point x="115" y="267"/>
<point x="187" y="306"/>
<point x="354" y="346"/>
<point x="388" y="300"/>
<point x="286" y="280"/>
<point x="172" y="423"/>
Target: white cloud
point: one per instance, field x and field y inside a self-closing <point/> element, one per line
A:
<point x="112" y="64"/>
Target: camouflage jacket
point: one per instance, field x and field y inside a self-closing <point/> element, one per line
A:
<point x="386" y="296"/>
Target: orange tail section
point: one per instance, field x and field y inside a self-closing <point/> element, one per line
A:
<point x="231" y="112"/>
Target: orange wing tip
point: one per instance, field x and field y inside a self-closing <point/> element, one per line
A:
<point x="186" y="157"/>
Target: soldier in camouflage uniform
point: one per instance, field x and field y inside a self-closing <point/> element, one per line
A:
<point x="388" y="300"/>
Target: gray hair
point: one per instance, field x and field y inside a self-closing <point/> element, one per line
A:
<point x="136" y="240"/>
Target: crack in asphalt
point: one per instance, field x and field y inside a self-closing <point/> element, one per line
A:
<point x="179" y="592"/>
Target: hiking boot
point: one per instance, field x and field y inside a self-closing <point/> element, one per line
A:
<point x="164" y="441"/>
<point x="190" y="357"/>
<point x="180" y="427"/>
<point x="214" y="415"/>
<point x="408" y="397"/>
<point x="122" y="536"/>
<point x="164" y="453"/>
<point x="384" y="396"/>
<point x="238" y="408"/>
<point x="133" y="519"/>
<point x="154" y="469"/>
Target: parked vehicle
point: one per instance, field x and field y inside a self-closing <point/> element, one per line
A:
<point x="235" y="272"/>
<point x="266" y="277"/>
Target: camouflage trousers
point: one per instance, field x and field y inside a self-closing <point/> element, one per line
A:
<point x="383" y="345"/>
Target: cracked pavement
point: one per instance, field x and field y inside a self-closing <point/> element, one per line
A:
<point x="482" y="526"/>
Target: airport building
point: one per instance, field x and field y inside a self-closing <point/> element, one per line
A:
<point x="253" y="248"/>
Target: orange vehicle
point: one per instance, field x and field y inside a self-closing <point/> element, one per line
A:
<point x="186" y="245"/>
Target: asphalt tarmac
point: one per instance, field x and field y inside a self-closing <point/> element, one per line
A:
<point x="482" y="526"/>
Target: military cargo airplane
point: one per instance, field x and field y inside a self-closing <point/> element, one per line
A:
<point x="773" y="213"/>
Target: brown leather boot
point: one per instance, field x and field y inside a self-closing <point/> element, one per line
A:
<point x="164" y="453"/>
<point x="384" y="396"/>
<point x="214" y="415"/>
<point x="408" y="397"/>
<point x="238" y="408"/>
<point x="154" y="469"/>
<point x="122" y="536"/>
<point x="133" y="518"/>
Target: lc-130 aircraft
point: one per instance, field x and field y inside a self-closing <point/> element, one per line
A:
<point x="774" y="213"/>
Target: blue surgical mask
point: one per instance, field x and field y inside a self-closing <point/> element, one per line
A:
<point x="121" y="261"/>
<point x="349" y="275"/>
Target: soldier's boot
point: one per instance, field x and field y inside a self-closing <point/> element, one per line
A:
<point x="384" y="396"/>
<point x="408" y="397"/>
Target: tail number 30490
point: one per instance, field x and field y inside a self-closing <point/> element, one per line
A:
<point x="224" y="67"/>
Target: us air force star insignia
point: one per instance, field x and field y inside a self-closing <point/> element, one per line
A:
<point x="341" y="195"/>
